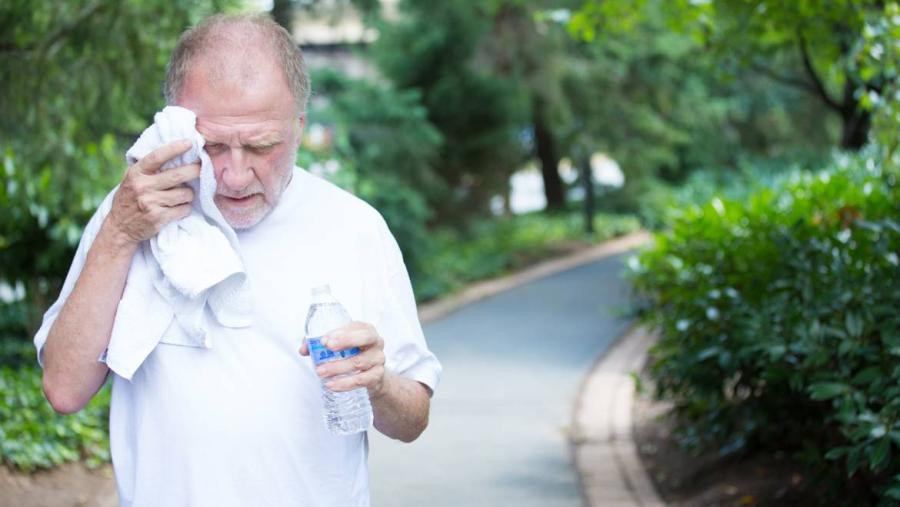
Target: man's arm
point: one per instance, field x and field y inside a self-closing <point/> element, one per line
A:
<point x="145" y="201"/>
<point x="400" y="405"/>
<point x="401" y="408"/>
<point x="72" y="372"/>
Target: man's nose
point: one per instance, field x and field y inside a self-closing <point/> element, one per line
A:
<point x="238" y="173"/>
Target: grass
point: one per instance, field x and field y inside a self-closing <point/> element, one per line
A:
<point x="492" y="248"/>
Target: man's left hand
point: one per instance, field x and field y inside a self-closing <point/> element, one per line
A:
<point x="365" y="369"/>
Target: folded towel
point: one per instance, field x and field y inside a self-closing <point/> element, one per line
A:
<point x="191" y="265"/>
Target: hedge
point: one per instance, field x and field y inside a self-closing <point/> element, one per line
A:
<point x="780" y="327"/>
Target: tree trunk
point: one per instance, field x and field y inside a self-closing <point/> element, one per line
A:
<point x="283" y="14"/>
<point x="855" y="128"/>
<point x="588" y="182"/>
<point x="856" y="121"/>
<point x="548" y="156"/>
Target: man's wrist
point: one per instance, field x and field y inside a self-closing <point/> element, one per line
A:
<point x="114" y="241"/>
<point x="382" y="389"/>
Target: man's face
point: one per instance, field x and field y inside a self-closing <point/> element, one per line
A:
<point x="252" y="131"/>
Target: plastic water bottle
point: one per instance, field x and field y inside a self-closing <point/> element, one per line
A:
<point x="348" y="412"/>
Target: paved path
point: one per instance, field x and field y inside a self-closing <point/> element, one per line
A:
<point x="513" y="365"/>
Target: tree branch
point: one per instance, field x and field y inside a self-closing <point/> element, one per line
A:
<point x="818" y="85"/>
<point x="796" y="82"/>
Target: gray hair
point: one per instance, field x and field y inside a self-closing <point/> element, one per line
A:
<point x="198" y="39"/>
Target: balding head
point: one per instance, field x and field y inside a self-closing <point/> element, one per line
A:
<point x="233" y="50"/>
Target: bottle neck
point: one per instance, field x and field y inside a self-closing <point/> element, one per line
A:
<point x="322" y="295"/>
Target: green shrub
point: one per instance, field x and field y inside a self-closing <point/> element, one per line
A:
<point x="32" y="435"/>
<point x="654" y="200"/>
<point x="779" y="322"/>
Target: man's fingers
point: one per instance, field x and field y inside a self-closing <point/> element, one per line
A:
<point x="156" y="158"/>
<point x="176" y="196"/>
<point x="174" y="177"/>
<point x="368" y="378"/>
<point x="351" y="336"/>
<point x="176" y="212"/>
<point x="304" y="348"/>
<point x="363" y="361"/>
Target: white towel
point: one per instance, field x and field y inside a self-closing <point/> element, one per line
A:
<point x="191" y="265"/>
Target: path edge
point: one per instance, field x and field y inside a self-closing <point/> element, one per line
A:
<point x="602" y="439"/>
<point x="477" y="291"/>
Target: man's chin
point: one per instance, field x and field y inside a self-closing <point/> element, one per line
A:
<point x="240" y="220"/>
<point x="242" y="215"/>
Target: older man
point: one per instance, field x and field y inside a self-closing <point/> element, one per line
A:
<point x="240" y="423"/>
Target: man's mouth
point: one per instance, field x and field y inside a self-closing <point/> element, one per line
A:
<point x="239" y="200"/>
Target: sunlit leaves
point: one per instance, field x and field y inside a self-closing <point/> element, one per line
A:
<point x="806" y="355"/>
<point x="32" y="435"/>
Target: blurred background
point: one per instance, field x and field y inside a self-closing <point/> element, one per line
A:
<point x="756" y="138"/>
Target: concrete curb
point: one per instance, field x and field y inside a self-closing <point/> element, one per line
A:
<point x="430" y="312"/>
<point x="605" y="453"/>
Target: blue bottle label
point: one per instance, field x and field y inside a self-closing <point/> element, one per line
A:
<point x="320" y="354"/>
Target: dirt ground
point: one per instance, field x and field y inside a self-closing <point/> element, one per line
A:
<point x="708" y="480"/>
<point x="71" y="485"/>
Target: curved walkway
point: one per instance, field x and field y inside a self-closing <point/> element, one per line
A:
<point x="514" y="364"/>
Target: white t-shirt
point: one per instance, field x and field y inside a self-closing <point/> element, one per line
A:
<point x="241" y="424"/>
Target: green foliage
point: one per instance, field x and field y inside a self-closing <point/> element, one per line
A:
<point x="664" y="104"/>
<point x="32" y="434"/>
<point x="494" y="247"/>
<point x="433" y="49"/>
<point x="658" y="202"/>
<point x="386" y="150"/>
<point x="668" y="111"/>
<point x="779" y="320"/>
<point x="41" y="225"/>
<point x="880" y="55"/>
<point x="813" y="46"/>
<point x="79" y="81"/>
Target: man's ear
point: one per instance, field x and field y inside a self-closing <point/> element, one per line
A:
<point x="301" y="124"/>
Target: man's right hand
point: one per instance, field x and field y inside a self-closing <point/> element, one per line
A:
<point x="148" y="199"/>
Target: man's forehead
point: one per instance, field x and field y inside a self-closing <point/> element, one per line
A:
<point x="228" y="109"/>
<point x="227" y="129"/>
<point x="247" y="86"/>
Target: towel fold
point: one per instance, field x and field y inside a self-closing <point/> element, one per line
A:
<point x="191" y="266"/>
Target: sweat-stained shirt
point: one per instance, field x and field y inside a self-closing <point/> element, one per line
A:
<point x="241" y="423"/>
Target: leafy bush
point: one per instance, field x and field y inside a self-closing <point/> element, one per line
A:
<point x="654" y="200"/>
<point x="32" y="435"/>
<point x="493" y="247"/>
<point x="40" y="225"/>
<point x="779" y="322"/>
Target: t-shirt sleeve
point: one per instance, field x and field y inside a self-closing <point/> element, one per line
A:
<point x="405" y="348"/>
<point x="87" y="239"/>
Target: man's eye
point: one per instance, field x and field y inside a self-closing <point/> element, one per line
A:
<point x="215" y="147"/>
<point x="262" y="149"/>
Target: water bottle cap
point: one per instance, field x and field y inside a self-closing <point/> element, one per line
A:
<point x="321" y="290"/>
